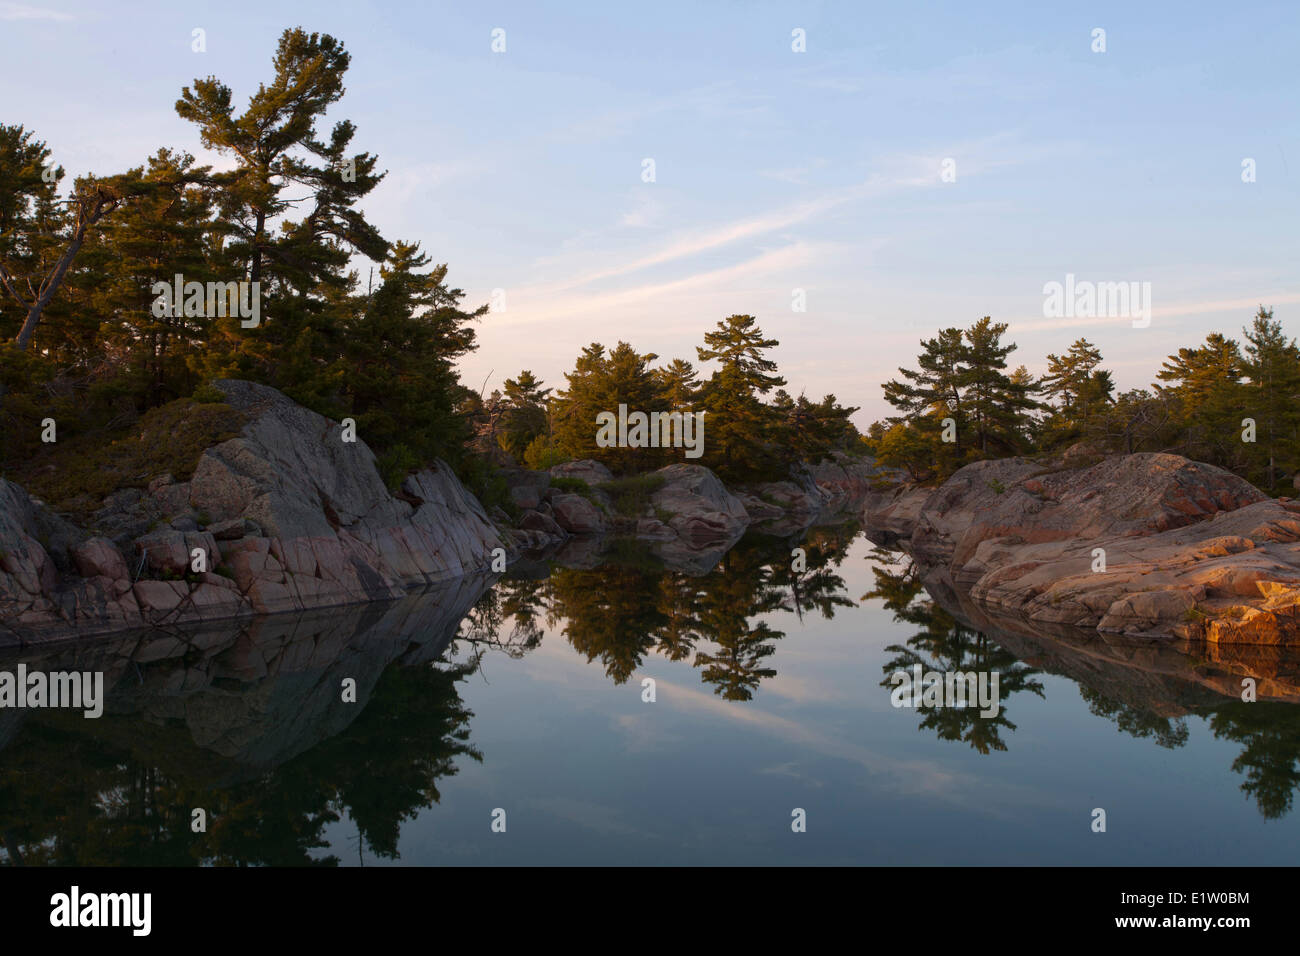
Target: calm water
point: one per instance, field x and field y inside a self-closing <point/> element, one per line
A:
<point x="771" y="694"/>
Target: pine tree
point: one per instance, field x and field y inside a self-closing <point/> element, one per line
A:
<point x="1272" y="368"/>
<point x="1207" y="383"/>
<point x="1068" y="375"/>
<point x="739" y="425"/>
<point x="679" y="384"/>
<point x="45" y="234"/>
<point x="396" y="375"/>
<point x="300" y="263"/>
<point x="526" y="415"/>
<point x="993" y="401"/>
<point x="601" y="382"/>
<point x="935" y="386"/>
<point x="149" y="241"/>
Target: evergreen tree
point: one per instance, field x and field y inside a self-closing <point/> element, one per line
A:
<point x="936" y="384"/>
<point x="1272" y="369"/>
<point x="679" y="384"/>
<point x="397" y="374"/>
<point x="739" y="425"/>
<point x="157" y="353"/>
<point x="1207" y="382"/>
<point x="993" y="401"/>
<point x="42" y="235"/>
<point x="1068" y="375"/>
<point x="300" y="263"/>
<point x="600" y="382"/>
<point x="526" y="415"/>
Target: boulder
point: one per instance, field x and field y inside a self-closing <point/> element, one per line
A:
<point x="164" y="551"/>
<point x="702" y="510"/>
<point x="654" y="529"/>
<point x="592" y="472"/>
<point x="231" y="530"/>
<point x="757" y="508"/>
<point x="577" y="515"/>
<point x="536" y="521"/>
<point x="526" y="496"/>
<point x="99" y="557"/>
<point x="27" y="572"/>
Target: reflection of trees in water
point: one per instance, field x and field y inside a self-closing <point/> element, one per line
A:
<point x="611" y="614"/>
<point x="1167" y="732"/>
<point x="1270" y="759"/>
<point x="946" y="645"/>
<point x="817" y="587"/>
<point x="632" y="606"/>
<point x="72" y="794"/>
<point x="518" y="600"/>
<point x="1269" y="731"/>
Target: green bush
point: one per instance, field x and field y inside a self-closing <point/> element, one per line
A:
<point x="395" y="464"/>
<point x="541" y="455"/>
<point x="486" y="483"/>
<point x="574" y="486"/>
<point x="631" y="495"/>
<point x="209" y="395"/>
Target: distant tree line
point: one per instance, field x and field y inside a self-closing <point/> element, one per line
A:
<point x="748" y="436"/>
<point x="1229" y="403"/>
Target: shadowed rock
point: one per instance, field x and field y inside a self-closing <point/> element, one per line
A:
<point x="305" y="521"/>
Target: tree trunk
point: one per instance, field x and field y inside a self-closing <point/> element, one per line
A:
<point x="52" y="286"/>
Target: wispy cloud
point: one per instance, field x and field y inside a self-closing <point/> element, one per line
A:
<point x="710" y="239"/>
<point x="1242" y="305"/>
<point x="20" y="11"/>
<point x="546" y="304"/>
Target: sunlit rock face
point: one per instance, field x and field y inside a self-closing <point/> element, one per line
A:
<point x="294" y="518"/>
<point x="1146" y="544"/>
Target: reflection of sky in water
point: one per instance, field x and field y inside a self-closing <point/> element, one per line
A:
<point x="588" y="773"/>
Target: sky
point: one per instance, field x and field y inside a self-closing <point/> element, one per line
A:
<point x="915" y="166"/>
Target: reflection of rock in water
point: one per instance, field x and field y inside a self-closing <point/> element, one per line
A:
<point x="259" y="692"/>
<point x="1152" y="676"/>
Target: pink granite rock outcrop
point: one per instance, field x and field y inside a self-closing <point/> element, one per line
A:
<point x="1144" y="544"/>
<point x="329" y="533"/>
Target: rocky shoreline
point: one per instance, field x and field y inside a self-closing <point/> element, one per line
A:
<point x="288" y="516"/>
<point x="1144" y="545"/>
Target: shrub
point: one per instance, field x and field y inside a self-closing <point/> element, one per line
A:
<point x="574" y="486"/>
<point x="76" y="474"/>
<point x="541" y="455"/>
<point x="208" y="395"/>
<point x="395" y="464"/>
<point x="631" y="495"/>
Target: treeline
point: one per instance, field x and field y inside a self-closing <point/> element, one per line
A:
<point x="82" y="339"/>
<point x="747" y="436"/>
<point x="1232" y="403"/>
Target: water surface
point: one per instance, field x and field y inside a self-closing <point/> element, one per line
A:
<point x="771" y="694"/>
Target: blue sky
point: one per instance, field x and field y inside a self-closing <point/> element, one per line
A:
<point x="774" y="170"/>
